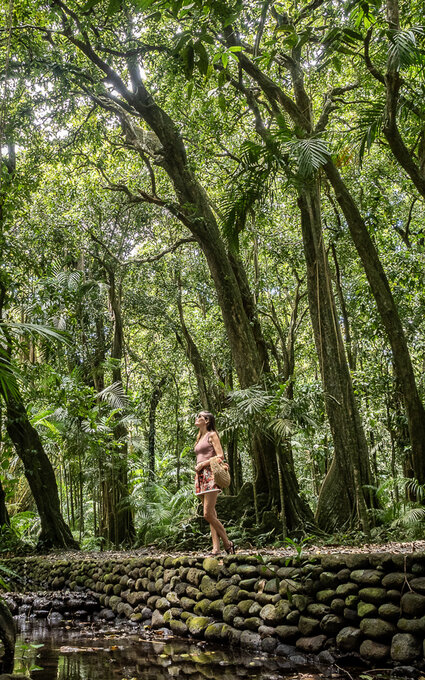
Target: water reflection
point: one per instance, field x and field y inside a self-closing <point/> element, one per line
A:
<point x="87" y="653"/>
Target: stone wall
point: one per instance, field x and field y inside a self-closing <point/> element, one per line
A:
<point x="325" y="604"/>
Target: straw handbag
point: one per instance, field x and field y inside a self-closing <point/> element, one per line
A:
<point x="220" y="472"/>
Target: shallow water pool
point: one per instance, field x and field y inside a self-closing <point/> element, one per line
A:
<point x="89" y="652"/>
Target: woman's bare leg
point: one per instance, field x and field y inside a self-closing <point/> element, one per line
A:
<point x="214" y="535"/>
<point x="210" y="515"/>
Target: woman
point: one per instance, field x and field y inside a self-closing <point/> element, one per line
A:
<point x="207" y="446"/>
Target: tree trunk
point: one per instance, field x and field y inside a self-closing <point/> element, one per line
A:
<point x="155" y="399"/>
<point x="4" y="515"/>
<point x="206" y="397"/>
<point x="117" y="519"/>
<point x="40" y="476"/>
<point x="38" y="469"/>
<point x="390" y="318"/>
<point x="8" y="638"/>
<point x="235" y="466"/>
<point x="339" y="496"/>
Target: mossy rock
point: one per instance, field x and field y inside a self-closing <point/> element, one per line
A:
<point x="216" y="632"/>
<point x="289" y="586"/>
<point x="333" y="562"/>
<point x="248" y="584"/>
<point x="247" y="571"/>
<point x="173" y="613"/>
<point x="209" y="588"/>
<point x="352" y="600"/>
<point x="194" y="576"/>
<point x="413" y="604"/>
<point x="253" y="623"/>
<point x="348" y="639"/>
<point x="325" y="596"/>
<point x="152" y="600"/>
<point x="357" y="561"/>
<point x="405" y="648"/>
<point x="317" y="610"/>
<point x="308" y="626"/>
<point x="366" y="577"/>
<point x="230" y="611"/>
<point x="366" y="609"/>
<point x="267" y="598"/>
<point x="301" y="602"/>
<point x="414" y="626"/>
<point x="268" y="613"/>
<point x="389" y="611"/>
<point x="331" y="624"/>
<point x="187" y="603"/>
<point x="211" y="566"/>
<point x="374" y="651"/>
<point x="272" y="586"/>
<point x="216" y="608"/>
<point x="178" y="627"/>
<point x="287" y="572"/>
<point x="287" y="632"/>
<point x="328" y="579"/>
<point x="377" y="629"/>
<point x="373" y="595"/>
<point x="113" y="602"/>
<point x="173" y="598"/>
<point x="244" y="606"/>
<point x="223" y="584"/>
<point x="201" y="607"/>
<point x="395" y="579"/>
<point x="197" y="625"/>
<point x="159" y="584"/>
<point x="162" y="604"/>
<point x="231" y="595"/>
<point x="293" y="617"/>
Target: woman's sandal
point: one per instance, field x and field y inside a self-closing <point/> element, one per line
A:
<point x="230" y="548"/>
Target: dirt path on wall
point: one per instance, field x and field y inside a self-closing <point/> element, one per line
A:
<point x="153" y="551"/>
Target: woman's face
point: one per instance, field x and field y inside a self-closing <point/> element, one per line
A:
<point x="200" y="419"/>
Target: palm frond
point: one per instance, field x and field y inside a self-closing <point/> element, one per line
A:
<point x="33" y="329"/>
<point x="258" y="168"/>
<point x="413" y="516"/>
<point x="69" y="279"/>
<point x="115" y="396"/>
<point x="403" y="49"/>
<point x="371" y="119"/>
<point x="310" y="154"/>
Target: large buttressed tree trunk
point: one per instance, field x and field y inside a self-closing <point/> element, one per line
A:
<point x="167" y="149"/>
<point x="341" y="495"/>
<point x="390" y="318"/>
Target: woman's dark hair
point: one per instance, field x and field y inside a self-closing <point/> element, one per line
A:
<point x="211" y="420"/>
<point x="210" y="423"/>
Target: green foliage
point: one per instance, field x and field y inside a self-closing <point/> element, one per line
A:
<point x="163" y="514"/>
<point x="85" y="213"/>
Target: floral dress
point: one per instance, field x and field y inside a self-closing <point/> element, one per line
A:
<point x="204" y="479"/>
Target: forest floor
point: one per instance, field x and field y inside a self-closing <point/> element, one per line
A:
<point x="153" y="551"/>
